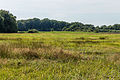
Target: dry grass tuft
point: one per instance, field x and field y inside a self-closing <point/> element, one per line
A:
<point x="114" y="58"/>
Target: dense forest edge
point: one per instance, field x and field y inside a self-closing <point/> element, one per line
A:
<point x="54" y="25"/>
<point x="9" y="24"/>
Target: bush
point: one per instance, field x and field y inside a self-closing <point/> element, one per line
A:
<point x="102" y="37"/>
<point x="33" y="31"/>
<point x="21" y="31"/>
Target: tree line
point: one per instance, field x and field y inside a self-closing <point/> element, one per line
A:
<point x="9" y="24"/>
<point x="54" y="25"/>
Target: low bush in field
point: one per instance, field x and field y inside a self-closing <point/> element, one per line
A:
<point x="103" y="37"/>
<point x="33" y="31"/>
<point x="22" y="32"/>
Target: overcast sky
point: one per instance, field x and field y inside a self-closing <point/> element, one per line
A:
<point x="97" y="12"/>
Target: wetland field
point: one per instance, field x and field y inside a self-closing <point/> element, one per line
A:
<point x="60" y="56"/>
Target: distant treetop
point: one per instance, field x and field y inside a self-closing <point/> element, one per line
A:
<point x="8" y="22"/>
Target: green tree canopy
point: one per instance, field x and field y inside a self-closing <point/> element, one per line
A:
<point x="8" y="22"/>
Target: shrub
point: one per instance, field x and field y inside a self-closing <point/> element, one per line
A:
<point x="21" y="31"/>
<point x="33" y="31"/>
<point x="102" y="37"/>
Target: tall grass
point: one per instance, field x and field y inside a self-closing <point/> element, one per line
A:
<point x="59" y="56"/>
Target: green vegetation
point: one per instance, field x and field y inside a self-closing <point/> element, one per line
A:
<point x="84" y="54"/>
<point x="54" y="25"/>
<point x="60" y="56"/>
<point x="33" y="31"/>
<point x="7" y="22"/>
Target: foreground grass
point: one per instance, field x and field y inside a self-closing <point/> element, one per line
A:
<point x="60" y="56"/>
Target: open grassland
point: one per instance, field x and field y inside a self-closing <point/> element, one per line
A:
<point x="60" y="56"/>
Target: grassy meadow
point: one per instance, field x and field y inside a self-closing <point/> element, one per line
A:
<point x="60" y="56"/>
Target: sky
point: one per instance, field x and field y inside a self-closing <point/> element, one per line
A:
<point x="97" y="12"/>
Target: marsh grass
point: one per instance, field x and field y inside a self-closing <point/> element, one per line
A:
<point x="37" y="51"/>
<point x="59" y="56"/>
<point x="5" y="51"/>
